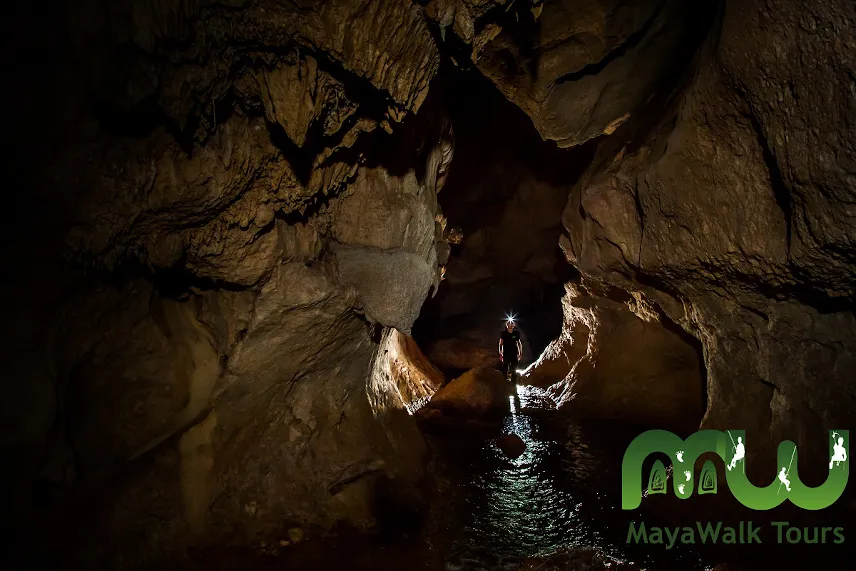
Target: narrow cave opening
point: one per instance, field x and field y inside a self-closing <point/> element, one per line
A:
<point x="504" y="196"/>
<point x="503" y="202"/>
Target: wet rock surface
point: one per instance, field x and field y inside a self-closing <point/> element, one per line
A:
<point x="478" y="393"/>
<point x="512" y="445"/>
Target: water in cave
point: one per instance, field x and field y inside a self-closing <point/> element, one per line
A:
<point x="556" y="495"/>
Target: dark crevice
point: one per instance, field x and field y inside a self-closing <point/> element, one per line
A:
<point x="804" y="293"/>
<point x="760" y="314"/>
<point x="174" y="283"/>
<point x="631" y="42"/>
<point x="768" y="384"/>
<point x="500" y="164"/>
<point x="640" y="211"/>
<point x="780" y="190"/>
<point x="299" y="158"/>
<point x="690" y="340"/>
<point x="337" y="487"/>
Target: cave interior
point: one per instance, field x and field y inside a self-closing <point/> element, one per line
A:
<point x="259" y="255"/>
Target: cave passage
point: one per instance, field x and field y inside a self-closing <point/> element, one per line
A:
<point x="504" y="194"/>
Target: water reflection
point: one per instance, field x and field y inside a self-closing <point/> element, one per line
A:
<point x="525" y="506"/>
<point x="562" y="492"/>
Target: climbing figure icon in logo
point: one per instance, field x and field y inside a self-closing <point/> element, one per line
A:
<point x="739" y="452"/>
<point x="839" y="454"/>
<point x="783" y="479"/>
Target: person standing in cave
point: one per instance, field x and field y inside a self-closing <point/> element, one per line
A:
<point x="510" y="349"/>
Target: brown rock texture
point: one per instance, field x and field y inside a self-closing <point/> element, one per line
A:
<point x="733" y="213"/>
<point x="612" y="363"/>
<point x="224" y="222"/>
<point x="578" y="69"/>
<point x="478" y="393"/>
<point x="401" y="363"/>
<point x="506" y="197"/>
<point x="721" y="193"/>
<point x="244" y="196"/>
<point x="560" y="356"/>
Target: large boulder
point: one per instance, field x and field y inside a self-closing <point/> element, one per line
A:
<point x="391" y="285"/>
<point x="478" y="393"/>
<point x="511" y="445"/>
<point x="471" y="349"/>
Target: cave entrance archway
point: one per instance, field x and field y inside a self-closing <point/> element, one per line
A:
<point x="505" y="194"/>
<point x="505" y="191"/>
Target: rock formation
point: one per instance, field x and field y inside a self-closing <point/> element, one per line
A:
<point x="506" y="198"/>
<point x="478" y="393"/>
<point x="511" y="445"/>
<point x="719" y="192"/>
<point x="765" y="283"/>
<point x="612" y="363"/>
<point x="250" y="202"/>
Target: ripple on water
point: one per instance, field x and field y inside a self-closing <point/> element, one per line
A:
<point x="554" y="495"/>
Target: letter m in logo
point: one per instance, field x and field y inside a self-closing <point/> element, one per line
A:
<point x="682" y="452"/>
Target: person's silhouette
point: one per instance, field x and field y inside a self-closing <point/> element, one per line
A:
<point x="739" y="453"/>
<point x="783" y="477"/>
<point x="839" y="454"/>
<point x="510" y="349"/>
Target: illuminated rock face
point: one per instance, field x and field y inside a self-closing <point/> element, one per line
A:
<point x="614" y="364"/>
<point x="727" y="212"/>
<point x="721" y="196"/>
<point x="402" y="376"/>
<point x="478" y="393"/>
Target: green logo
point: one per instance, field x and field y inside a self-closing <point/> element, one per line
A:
<point x="731" y="447"/>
